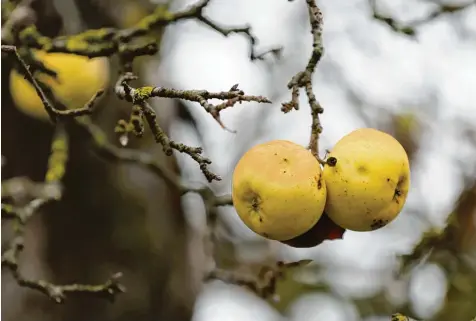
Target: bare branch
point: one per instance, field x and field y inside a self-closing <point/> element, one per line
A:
<point x="143" y="111"/>
<point x="303" y="79"/>
<point x="409" y="29"/>
<point x="263" y="284"/>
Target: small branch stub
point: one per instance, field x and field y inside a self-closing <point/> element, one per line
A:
<point x="331" y="161"/>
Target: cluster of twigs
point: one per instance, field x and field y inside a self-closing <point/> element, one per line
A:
<point x="127" y="44"/>
<point x="142" y="110"/>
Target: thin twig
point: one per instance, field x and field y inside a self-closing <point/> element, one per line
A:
<point x="303" y="79"/>
<point x="142" y="110"/>
<point x="409" y="29"/>
<point x="264" y="283"/>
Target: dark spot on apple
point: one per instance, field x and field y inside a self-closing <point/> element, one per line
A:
<point x="253" y="199"/>
<point x="255" y="202"/>
<point x="396" y="195"/>
<point x="362" y="169"/>
<point x="317" y="178"/>
<point x="402" y="179"/>
<point x="378" y="223"/>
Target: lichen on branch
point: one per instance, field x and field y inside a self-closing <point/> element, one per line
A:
<point x="128" y="44"/>
<point x="108" y="41"/>
<point x="142" y="111"/>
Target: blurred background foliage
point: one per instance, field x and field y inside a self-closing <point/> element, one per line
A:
<point x="120" y="217"/>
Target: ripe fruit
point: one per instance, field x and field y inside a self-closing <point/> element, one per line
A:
<point x="78" y="79"/>
<point x="278" y="190"/>
<point x="368" y="186"/>
<point x="324" y="229"/>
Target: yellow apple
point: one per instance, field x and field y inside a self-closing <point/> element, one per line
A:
<point x="278" y="190"/>
<point x="78" y="79"/>
<point x="368" y="186"/>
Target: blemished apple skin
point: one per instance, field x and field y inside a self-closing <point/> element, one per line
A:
<point x="369" y="183"/>
<point x="278" y="190"/>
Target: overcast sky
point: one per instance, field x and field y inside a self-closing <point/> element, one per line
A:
<point x="434" y="75"/>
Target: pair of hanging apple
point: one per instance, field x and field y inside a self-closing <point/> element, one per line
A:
<point x="281" y="191"/>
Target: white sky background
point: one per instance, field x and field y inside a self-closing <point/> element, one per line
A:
<point x="437" y="74"/>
